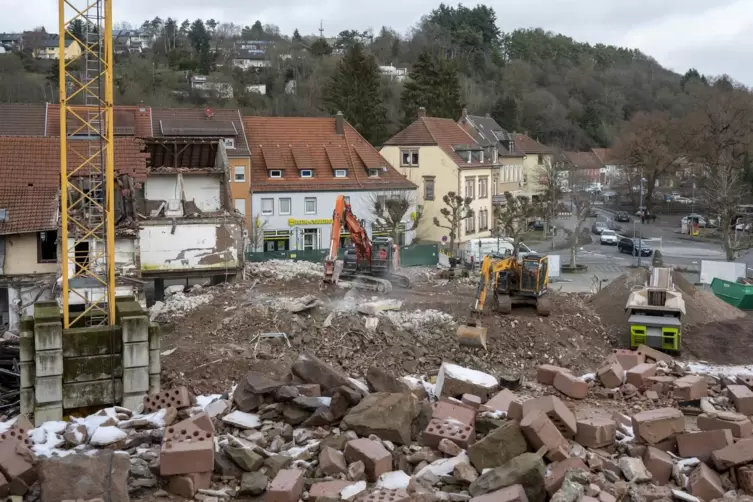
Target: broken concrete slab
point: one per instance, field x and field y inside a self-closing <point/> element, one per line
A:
<point x="527" y="470"/>
<point x="388" y="416"/>
<point x="454" y="381"/>
<point x="498" y="447"/>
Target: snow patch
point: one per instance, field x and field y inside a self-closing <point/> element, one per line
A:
<point x="285" y="270"/>
<point x="720" y="369"/>
<point x="107" y="435"/>
<point x="242" y="420"/>
<point x="393" y="480"/>
<point x="178" y="305"/>
<point x="204" y="401"/>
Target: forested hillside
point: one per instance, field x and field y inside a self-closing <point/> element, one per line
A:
<point x="561" y="91"/>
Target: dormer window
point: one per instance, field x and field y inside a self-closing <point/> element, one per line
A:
<point x="341" y="173"/>
<point x="373" y="173"/>
<point x="275" y="173"/>
<point x="229" y="143"/>
<point x="307" y="173"/>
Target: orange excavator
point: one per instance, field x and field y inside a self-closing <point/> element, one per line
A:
<point x="370" y="264"/>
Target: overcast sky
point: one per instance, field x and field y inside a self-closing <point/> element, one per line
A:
<point x="714" y="37"/>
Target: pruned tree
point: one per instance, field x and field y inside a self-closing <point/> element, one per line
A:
<point x="649" y="147"/>
<point x="550" y="181"/>
<point x="391" y="209"/>
<point x="581" y="207"/>
<point x="256" y="236"/>
<point x="458" y="209"/>
<point x="724" y="190"/>
<point x="511" y="220"/>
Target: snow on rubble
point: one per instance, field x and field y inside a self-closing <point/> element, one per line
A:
<point x="178" y="304"/>
<point x="285" y="269"/>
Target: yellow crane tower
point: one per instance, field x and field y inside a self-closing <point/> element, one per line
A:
<point x="86" y="163"/>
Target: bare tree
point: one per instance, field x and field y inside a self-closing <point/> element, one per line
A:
<point x="390" y="209"/>
<point x="458" y="209"/>
<point x="581" y="207"/>
<point x="511" y="220"/>
<point x="256" y="236"/>
<point x="724" y="190"/>
<point x="550" y="180"/>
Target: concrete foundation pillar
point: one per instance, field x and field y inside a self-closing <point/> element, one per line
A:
<point x="154" y="358"/>
<point x="134" y="324"/>
<point x="48" y="362"/>
<point x="26" y="365"/>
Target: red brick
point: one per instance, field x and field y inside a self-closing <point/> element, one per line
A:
<point x="740" y="453"/>
<point x="14" y="455"/>
<point x="399" y="495"/>
<point x="611" y="374"/>
<point x="596" y="432"/>
<point x="637" y="375"/>
<point x="174" y="398"/>
<point x="553" y="406"/>
<point x="500" y="401"/>
<point x="690" y="387"/>
<point x="471" y="400"/>
<point x="654" y="355"/>
<point x="701" y="444"/>
<point x="705" y="484"/>
<point x="546" y="372"/>
<point x="555" y="474"/>
<point x="540" y="431"/>
<point x="459" y="433"/>
<point x="654" y="426"/>
<point x="514" y="493"/>
<point x="740" y="425"/>
<point x="742" y="396"/>
<point x="448" y="411"/>
<point x="374" y="456"/>
<point x="571" y="385"/>
<point x="328" y="489"/>
<point x="661" y="384"/>
<point x="187" y="485"/>
<point x="627" y="358"/>
<point x="186" y="449"/>
<point x="286" y="487"/>
<point x="659" y="464"/>
<point x="745" y="479"/>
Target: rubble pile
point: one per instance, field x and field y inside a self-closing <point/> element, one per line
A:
<point x="178" y="304"/>
<point x="285" y="270"/>
<point x="309" y="431"/>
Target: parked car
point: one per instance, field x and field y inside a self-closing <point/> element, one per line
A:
<point x="702" y="221"/>
<point x="592" y="213"/>
<point x="608" y="237"/>
<point x="622" y="216"/>
<point x="598" y="227"/>
<point x="611" y="225"/>
<point x="632" y="246"/>
<point x="536" y="225"/>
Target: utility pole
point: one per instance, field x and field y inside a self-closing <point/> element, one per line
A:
<point x="321" y="29"/>
<point x="640" y="242"/>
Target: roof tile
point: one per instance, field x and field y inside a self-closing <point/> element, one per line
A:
<point x="529" y="145"/>
<point x="196" y="116"/>
<point x="126" y="117"/>
<point x="583" y="160"/>
<point x="20" y="119"/>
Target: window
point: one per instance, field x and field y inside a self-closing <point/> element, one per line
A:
<point x="374" y="173"/>
<point x="267" y="206"/>
<point x="307" y="173"/>
<point x="428" y="188"/>
<point x="470" y="225"/>
<point x="47" y="247"/>
<point x="382" y="202"/>
<point x="541" y="159"/>
<point x="240" y="206"/>
<point x="346" y="199"/>
<point x="285" y="205"/>
<point x="239" y="173"/>
<point x="483" y="188"/>
<point x="309" y="205"/>
<point x="483" y="219"/>
<point x="470" y="187"/>
<point x="495" y="182"/>
<point x="409" y="158"/>
<point x="341" y="173"/>
<point x="275" y="173"/>
<point x="229" y="143"/>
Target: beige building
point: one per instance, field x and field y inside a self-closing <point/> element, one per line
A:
<point x="440" y="157"/>
<point x="535" y="159"/>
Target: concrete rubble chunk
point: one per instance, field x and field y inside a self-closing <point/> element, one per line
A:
<point x="690" y="387"/>
<point x="332" y="462"/>
<point x="526" y="470"/>
<point x="465" y="473"/>
<point x="634" y="470"/>
<point x="571" y="385"/>
<point x="388" y="416"/>
<point x="573" y="488"/>
<point x="253" y="484"/>
<point x="514" y="493"/>
<point x="327" y="489"/>
<point x="740" y="425"/>
<point x="744" y="477"/>
<point x="311" y="369"/>
<point x="242" y="420"/>
<point x="498" y="447"/>
<point x="654" y="426"/>
<point x="705" y="484"/>
<point x="596" y="432"/>
<point x="740" y="453"/>
<point x="454" y="381"/>
<point x="555" y="474"/>
<point x="244" y="457"/>
<point x="188" y="485"/>
<point x="701" y="444"/>
<point x="99" y="474"/>
<point x="381" y="381"/>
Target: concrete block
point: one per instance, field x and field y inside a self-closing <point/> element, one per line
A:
<point x="27" y="371"/>
<point x="155" y="365"/>
<point x="26" y="346"/>
<point x="745" y="479"/>
<point x="471" y="401"/>
<point x="187" y="485"/>
<point x="90" y="368"/>
<point x="177" y="398"/>
<point x="154" y="336"/>
<point x="96" y="393"/>
<point x="570" y="385"/>
<point x="49" y="363"/>
<point x="654" y="426"/>
<point x="740" y="425"/>
<point x="48" y="389"/>
<point x="596" y="432"/>
<point x="135" y="329"/>
<point x="500" y="401"/>
<point x="454" y="381"/>
<point x="555" y="475"/>
<point x="735" y="455"/>
<point x="92" y="341"/>
<point x="742" y="396"/>
<point x="653" y="355"/>
<point x="514" y="493"/>
<point x="702" y="444"/>
<point x="135" y="354"/>
<point x="661" y="384"/>
<point x="47" y="413"/>
<point x="27" y="401"/>
<point x="690" y="387"/>
<point x="48" y="336"/>
<point x="444" y="410"/>
<point x="154" y="384"/>
<point x="135" y="380"/>
<point x="191" y="450"/>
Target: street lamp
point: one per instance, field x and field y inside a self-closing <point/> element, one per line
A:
<point x="640" y="242"/>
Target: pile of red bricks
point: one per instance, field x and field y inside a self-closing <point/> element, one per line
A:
<point x="17" y="472"/>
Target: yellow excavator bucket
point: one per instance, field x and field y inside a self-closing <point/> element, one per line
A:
<point x="471" y="335"/>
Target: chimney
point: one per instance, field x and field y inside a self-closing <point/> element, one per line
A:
<point x="465" y="113"/>
<point x="421" y="112"/>
<point x="340" y="123"/>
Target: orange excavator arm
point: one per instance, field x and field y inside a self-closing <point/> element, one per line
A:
<point x="342" y="216"/>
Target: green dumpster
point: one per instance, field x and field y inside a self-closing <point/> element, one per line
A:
<point x="736" y="294"/>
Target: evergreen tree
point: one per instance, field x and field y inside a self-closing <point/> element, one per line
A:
<point x="297" y="36"/>
<point x="355" y="91"/>
<point x="433" y="84"/>
<point x="320" y="47"/>
<point x="505" y="113"/>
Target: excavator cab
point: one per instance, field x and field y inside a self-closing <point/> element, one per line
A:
<point x="382" y="256"/>
<point x="534" y="275"/>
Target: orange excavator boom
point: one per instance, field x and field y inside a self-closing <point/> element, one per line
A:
<point x="342" y="216"/>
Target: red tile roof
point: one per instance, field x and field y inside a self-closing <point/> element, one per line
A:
<point x="21" y="119"/>
<point x="129" y="121"/>
<point x="280" y="143"/>
<point x="200" y="115"/>
<point x="30" y="177"/>
<point x="605" y="155"/>
<point x="530" y="146"/>
<point x="583" y="160"/>
<point x="444" y="133"/>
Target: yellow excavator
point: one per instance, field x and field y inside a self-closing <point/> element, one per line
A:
<point x="513" y="281"/>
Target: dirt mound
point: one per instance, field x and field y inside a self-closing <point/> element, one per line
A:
<point x="728" y="342"/>
<point x="703" y="307"/>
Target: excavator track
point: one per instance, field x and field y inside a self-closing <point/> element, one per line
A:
<point x="380" y="284"/>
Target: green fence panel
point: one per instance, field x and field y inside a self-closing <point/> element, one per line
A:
<point x="312" y="255"/>
<point x="736" y="294"/>
<point x="419" y="255"/>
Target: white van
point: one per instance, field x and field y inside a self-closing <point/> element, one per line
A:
<point x="475" y="250"/>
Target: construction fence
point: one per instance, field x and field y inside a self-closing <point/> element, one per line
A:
<point x="410" y="256"/>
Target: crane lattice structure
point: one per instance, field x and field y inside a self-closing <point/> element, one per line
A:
<point x="86" y="163"/>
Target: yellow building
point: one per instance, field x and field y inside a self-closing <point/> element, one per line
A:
<point x="535" y="158"/>
<point x="440" y="157"/>
<point x="50" y="49"/>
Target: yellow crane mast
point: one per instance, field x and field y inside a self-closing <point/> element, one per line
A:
<point x="86" y="163"/>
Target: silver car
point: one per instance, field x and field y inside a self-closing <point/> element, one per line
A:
<point x="598" y="227"/>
